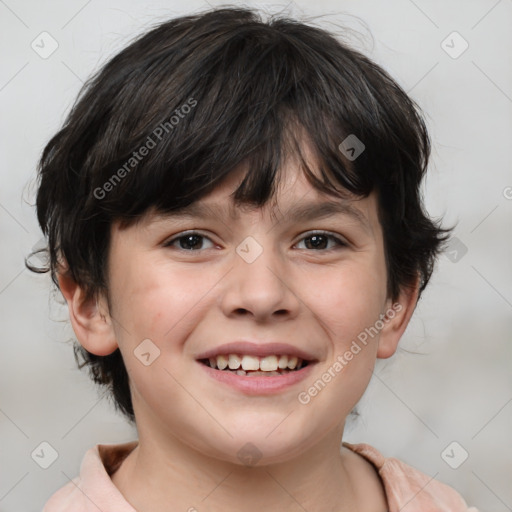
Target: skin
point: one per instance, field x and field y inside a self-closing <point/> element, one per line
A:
<point x="191" y="427"/>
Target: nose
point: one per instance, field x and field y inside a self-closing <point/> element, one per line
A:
<point x="262" y="289"/>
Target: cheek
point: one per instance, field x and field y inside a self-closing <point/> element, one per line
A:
<point x="355" y="303"/>
<point x="352" y="299"/>
<point x="159" y="302"/>
<point x="163" y="306"/>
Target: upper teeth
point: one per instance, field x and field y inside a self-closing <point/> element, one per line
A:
<point x="265" y="364"/>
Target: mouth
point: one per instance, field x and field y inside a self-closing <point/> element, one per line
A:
<point x="257" y="368"/>
<point x="247" y="365"/>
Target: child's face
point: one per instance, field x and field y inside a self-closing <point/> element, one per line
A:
<point x="189" y="301"/>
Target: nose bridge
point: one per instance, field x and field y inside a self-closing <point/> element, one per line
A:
<point x="258" y="282"/>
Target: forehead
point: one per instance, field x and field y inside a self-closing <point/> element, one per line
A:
<point x="296" y="200"/>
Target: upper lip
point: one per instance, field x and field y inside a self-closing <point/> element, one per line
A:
<point x="259" y="349"/>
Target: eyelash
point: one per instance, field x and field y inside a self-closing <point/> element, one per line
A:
<point x="339" y="242"/>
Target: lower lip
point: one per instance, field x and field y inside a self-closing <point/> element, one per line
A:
<point x="259" y="385"/>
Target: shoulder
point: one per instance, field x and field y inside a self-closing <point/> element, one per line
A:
<point x="93" y="489"/>
<point x="405" y="485"/>
<point x="63" y="499"/>
<point x="365" y="481"/>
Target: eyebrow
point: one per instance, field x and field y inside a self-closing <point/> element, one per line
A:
<point x="308" y="211"/>
<point x="296" y="213"/>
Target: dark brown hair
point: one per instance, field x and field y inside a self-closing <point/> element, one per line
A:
<point x="204" y="94"/>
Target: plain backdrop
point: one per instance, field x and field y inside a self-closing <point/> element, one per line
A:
<point x="455" y="387"/>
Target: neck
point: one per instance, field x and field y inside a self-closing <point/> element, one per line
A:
<point x="162" y="472"/>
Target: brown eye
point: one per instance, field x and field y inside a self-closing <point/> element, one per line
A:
<point x="320" y="240"/>
<point x="188" y="242"/>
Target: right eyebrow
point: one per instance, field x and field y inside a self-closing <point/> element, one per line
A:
<point x="201" y="211"/>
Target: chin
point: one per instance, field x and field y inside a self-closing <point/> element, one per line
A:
<point x="261" y="443"/>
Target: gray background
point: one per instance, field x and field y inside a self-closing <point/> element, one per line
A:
<point x="458" y="389"/>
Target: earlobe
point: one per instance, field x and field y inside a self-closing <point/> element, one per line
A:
<point x="89" y="318"/>
<point x="397" y="318"/>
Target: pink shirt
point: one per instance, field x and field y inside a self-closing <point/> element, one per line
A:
<point x="406" y="488"/>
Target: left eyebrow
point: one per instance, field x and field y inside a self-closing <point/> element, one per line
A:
<point x="297" y="213"/>
<point x="308" y="211"/>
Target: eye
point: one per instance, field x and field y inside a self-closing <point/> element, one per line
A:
<point x="194" y="241"/>
<point x="190" y="241"/>
<point x="319" y="239"/>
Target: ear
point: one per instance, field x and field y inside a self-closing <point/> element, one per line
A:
<point x="89" y="317"/>
<point x="398" y="314"/>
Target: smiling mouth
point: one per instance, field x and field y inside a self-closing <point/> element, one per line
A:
<point x="252" y="366"/>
